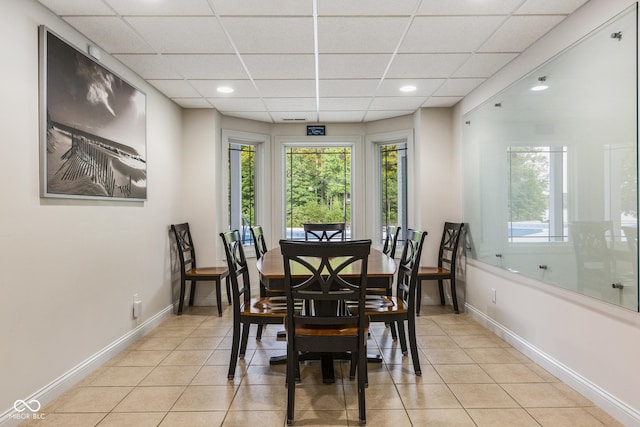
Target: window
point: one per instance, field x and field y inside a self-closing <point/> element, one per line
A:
<point x="317" y="187"/>
<point x="393" y="186"/>
<point x="537" y="188"/>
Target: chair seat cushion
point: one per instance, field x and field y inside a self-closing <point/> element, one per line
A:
<point x="432" y="271"/>
<point x="208" y="271"/>
<point x="329" y="330"/>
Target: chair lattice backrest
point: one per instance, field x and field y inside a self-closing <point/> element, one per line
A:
<point x="409" y="265"/>
<point x="258" y="241"/>
<point x="319" y="273"/>
<point x="449" y="245"/>
<point x="325" y="232"/>
<point x="391" y="240"/>
<point x="238" y="268"/>
<point x="186" y="250"/>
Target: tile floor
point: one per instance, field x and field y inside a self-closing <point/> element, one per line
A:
<point x="177" y="376"/>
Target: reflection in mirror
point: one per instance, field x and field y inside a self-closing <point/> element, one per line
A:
<point x="551" y="169"/>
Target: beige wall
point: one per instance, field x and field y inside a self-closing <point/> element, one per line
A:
<point x="591" y="345"/>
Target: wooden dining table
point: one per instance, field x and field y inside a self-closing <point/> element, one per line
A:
<point x="380" y="272"/>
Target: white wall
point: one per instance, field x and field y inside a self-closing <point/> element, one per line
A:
<point x="591" y="345"/>
<point x="69" y="268"/>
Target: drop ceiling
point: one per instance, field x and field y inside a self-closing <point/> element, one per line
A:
<point x="313" y="61"/>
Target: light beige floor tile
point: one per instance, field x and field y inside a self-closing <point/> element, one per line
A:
<point x="379" y="418"/>
<point x="222" y="356"/>
<point x="427" y="396"/>
<point x="186" y="357"/>
<point x="158" y="343"/>
<point x="205" y="398"/>
<point x="150" y="399"/>
<point x="142" y="358"/>
<point x="210" y="331"/>
<point x="502" y="417"/>
<point x="539" y="395"/>
<point x="522" y="358"/>
<point x="511" y="373"/>
<point x="429" y="328"/>
<point x="464" y="329"/>
<point x="316" y="396"/>
<point x="194" y="419"/>
<point x="217" y="375"/>
<point x="461" y="373"/>
<point x="384" y="396"/>
<point x="404" y="374"/>
<point x="438" y="356"/>
<point x="563" y="417"/>
<point x="436" y="341"/>
<point x="479" y="341"/>
<point x="394" y="356"/>
<point x="260" y="398"/>
<point x="603" y="417"/>
<point x="482" y="396"/>
<point x="200" y="343"/>
<point x="172" y="331"/>
<point x="440" y="418"/>
<point x="543" y="373"/>
<point x="66" y="420"/>
<point x="260" y="374"/>
<point x="121" y="376"/>
<point x="491" y="355"/>
<point x="576" y="397"/>
<point x="170" y="375"/>
<point x="263" y="357"/>
<point x="95" y="399"/>
<point x="257" y="418"/>
<point x="140" y="419"/>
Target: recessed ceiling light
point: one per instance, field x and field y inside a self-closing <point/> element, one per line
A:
<point x="541" y="84"/>
<point x="408" y="88"/>
<point x="225" y="89"/>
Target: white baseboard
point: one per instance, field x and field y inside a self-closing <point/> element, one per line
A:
<point x="621" y="411"/>
<point x="53" y="390"/>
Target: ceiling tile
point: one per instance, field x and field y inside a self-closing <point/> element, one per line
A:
<point x="360" y="35"/>
<point x="390" y="103"/>
<point x="458" y="87"/>
<point x="449" y="34"/>
<point x="261" y="7"/>
<point x="424" y="87"/>
<point x="355" y="87"/>
<point x="192" y="102"/>
<point x="380" y="115"/>
<point x="161" y="7"/>
<point x="237" y="104"/>
<point x="367" y="7"/>
<point x="442" y="101"/>
<point x="263" y="67"/>
<point x="344" y="104"/>
<point x="293" y="104"/>
<point x="241" y="88"/>
<point x="149" y="66"/>
<point x="207" y="66"/>
<point x="365" y="66"/>
<point x="175" y="88"/>
<point x="341" y="116"/>
<point x="250" y="115"/>
<point x="549" y="6"/>
<point x="182" y="34"/>
<point x="286" y="88"/>
<point x="484" y="64"/>
<point x="519" y="32"/>
<point x="422" y="65"/>
<point x="468" y="7"/>
<point x="261" y="35"/>
<point x="110" y="33"/>
<point x="74" y="7"/>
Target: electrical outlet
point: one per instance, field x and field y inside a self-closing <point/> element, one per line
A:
<point x="493" y="295"/>
<point x="137" y="306"/>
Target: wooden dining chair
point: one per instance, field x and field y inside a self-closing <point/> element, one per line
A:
<point x="446" y="268"/>
<point x="246" y="310"/>
<point x="189" y="272"/>
<point x="401" y="308"/>
<point x="325" y="232"/>
<point x="323" y="277"/>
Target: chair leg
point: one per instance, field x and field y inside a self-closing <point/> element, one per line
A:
<point x="411" y="321"/>
<point x="403" y="336"/>
<point x="392" y="329"/>
<point x="362" y="382"/>
<point x="228" y="290"/>
<point x="192" y="294"/>
<point x="181" y="300"/>
<point x="245" y="338"/>
<point x="453" y="295"/>
<point x="259" y="333"/>
<point x="219" y="296"/>
<point x="418" y="296"/>
<point x="292" y="362"/>
<point x="441" y="289"/>
<point x="235" y="344"/>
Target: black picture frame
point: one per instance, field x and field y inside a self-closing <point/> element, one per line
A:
<point x="316" y="130"/>
<point x="92" y="127"/>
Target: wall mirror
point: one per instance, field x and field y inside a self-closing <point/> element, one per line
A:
<point x="550" y="169"/>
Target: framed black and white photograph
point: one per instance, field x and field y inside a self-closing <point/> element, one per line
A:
<point x="93" y="127"/>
